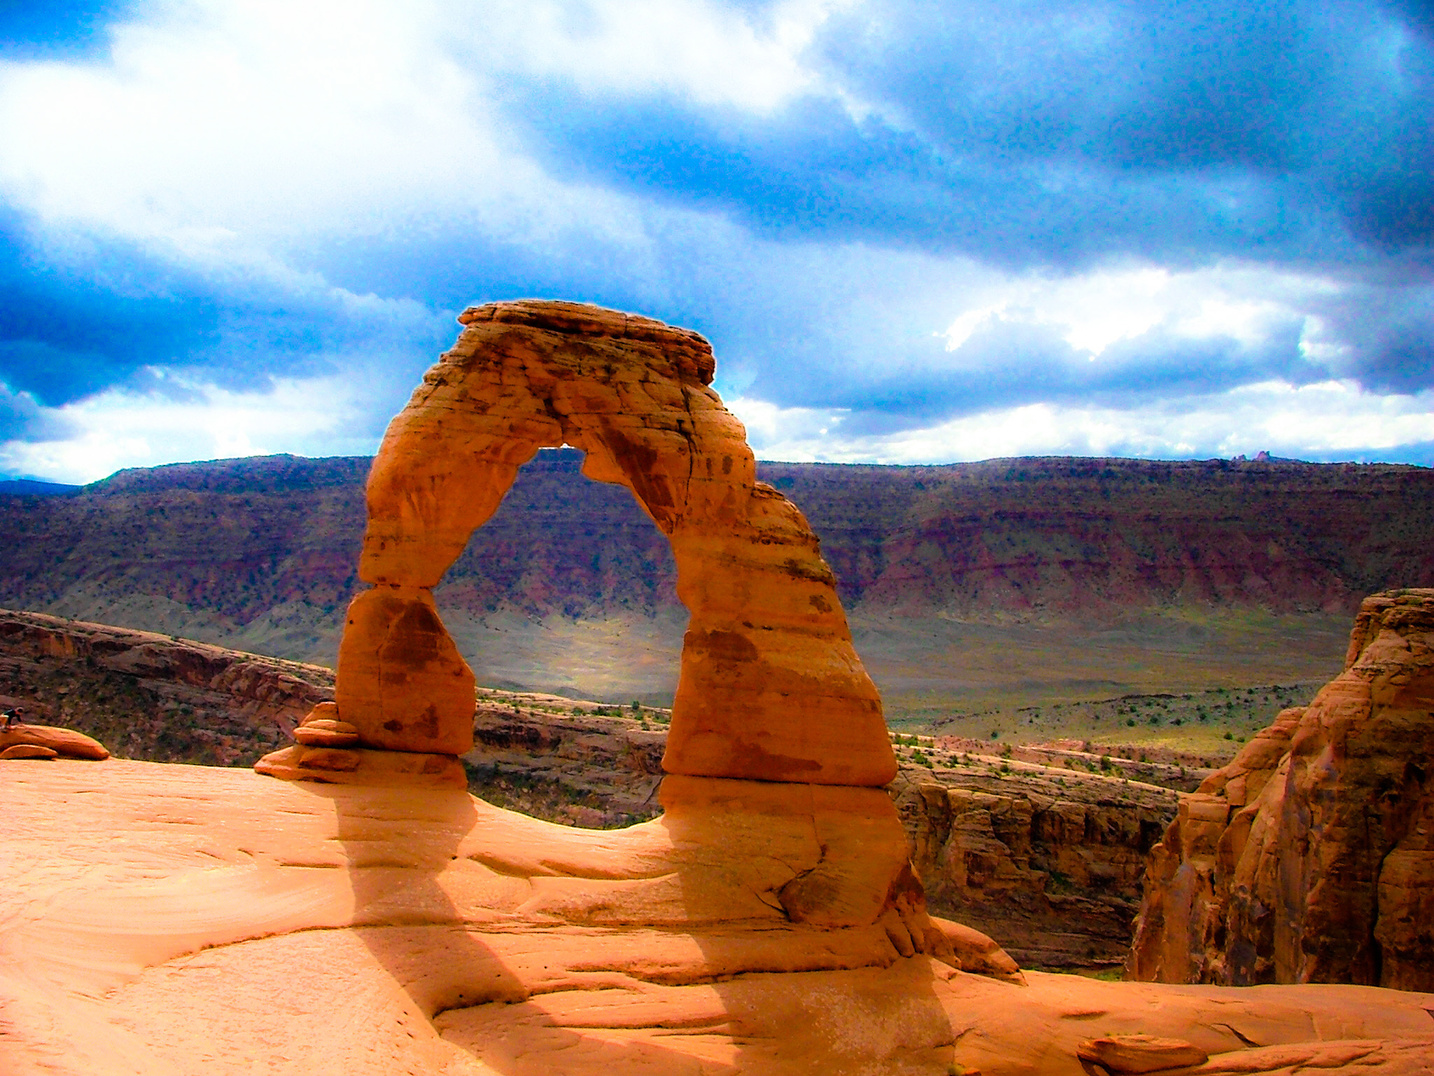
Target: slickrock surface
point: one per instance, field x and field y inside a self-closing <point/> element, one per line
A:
<point x="163" y="920"/>
<point x="770" y="686"/>
<point x="1310" y="857"/>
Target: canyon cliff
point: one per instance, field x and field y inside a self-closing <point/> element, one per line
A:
<point x="1309" y="858"/>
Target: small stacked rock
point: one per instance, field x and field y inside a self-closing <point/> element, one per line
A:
<point x="328" y="751"/>
<point x="322" y="728"/>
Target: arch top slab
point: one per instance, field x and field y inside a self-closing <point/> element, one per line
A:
<point x="770" y="686"/>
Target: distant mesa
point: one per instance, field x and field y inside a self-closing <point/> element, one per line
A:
<point x="1310" y="857"/>
<point x="35" y="487"/>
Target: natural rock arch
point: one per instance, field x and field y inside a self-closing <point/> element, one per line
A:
<point x="770" y="686"/>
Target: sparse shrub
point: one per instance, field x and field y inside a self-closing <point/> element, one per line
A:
<point x="1130" y="722"/>
<point x="995" y="734"/>
<point x="1229" y="735"/>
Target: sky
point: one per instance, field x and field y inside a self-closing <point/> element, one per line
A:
<point x="914" y="232"/>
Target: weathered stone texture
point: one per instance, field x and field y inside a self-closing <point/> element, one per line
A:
<point x="1309" y="858"/>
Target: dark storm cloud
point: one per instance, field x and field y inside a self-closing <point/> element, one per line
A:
<point x="1388" y="335"/>
<point x="67" y="331"/>
<point x="1014" y="363"/>
<point x="99" y="312"/>
<point x="24" y="419"/>
<point x="1041" y="132"/>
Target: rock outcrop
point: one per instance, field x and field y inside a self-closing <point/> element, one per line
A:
<point x="1310" y="857"/>
<point x="770" y="686"/>
<point x="47" y="741"/>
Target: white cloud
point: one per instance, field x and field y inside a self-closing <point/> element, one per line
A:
<point x="1323" y="419"/>
<point x="705" y="52"/>
<point x="1096" y="309"/>
<point x="219" y="129"/>
<point x="120" y="428"/>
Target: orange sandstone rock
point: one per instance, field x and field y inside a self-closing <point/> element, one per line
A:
<point x="64" y="742"/>
<point x="770" y="686"/>
<point x="1310" y="857"/>
<point x="28" y="750"/>
<point x="401" y="681"/>
<point x="1140" y="1054"/>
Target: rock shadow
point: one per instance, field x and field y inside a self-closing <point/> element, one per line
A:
<point x="447" y="916"/>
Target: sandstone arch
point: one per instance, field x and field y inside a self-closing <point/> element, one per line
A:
<point x="770" y="687"/>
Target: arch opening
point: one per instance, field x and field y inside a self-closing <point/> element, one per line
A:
<point x="569" y="589"/>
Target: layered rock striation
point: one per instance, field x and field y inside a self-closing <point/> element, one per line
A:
<point x="770" y="687"/>
<point x="1310" y="857"/>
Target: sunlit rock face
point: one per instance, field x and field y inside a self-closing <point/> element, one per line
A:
<point x="1310" y="857"/>
<point x="770" y="687"/>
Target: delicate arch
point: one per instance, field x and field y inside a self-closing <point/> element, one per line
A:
<point x="770" y="686"/>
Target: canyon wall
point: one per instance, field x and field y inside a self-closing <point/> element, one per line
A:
<point x="151" y="696"/>
<point x="1053" y="872"/>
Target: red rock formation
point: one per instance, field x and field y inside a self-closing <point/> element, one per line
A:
<point x="770" y="686"/>
<point x="1309" y="857"/>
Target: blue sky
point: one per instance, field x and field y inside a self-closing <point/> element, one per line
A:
<point x="914" y="232"/>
